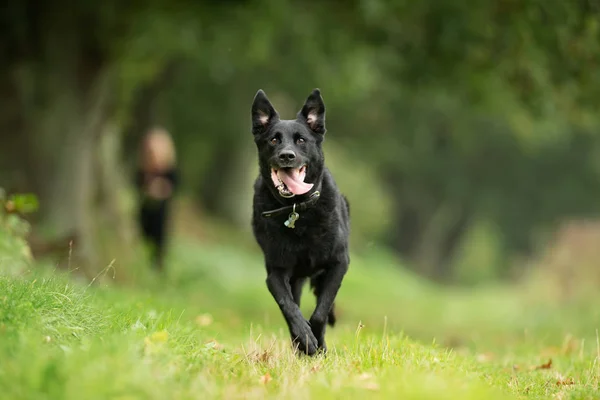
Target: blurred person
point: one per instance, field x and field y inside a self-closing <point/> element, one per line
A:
<point x="156" y="180"/>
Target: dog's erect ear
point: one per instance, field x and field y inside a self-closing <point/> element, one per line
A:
<point x="263" y="113"/>
<point x="313" y="112"/>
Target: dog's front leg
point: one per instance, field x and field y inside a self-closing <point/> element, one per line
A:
<point x="328" y="286"/>
<point x="278" y="283"/>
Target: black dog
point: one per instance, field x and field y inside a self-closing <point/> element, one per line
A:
<point x="300" y="219"/>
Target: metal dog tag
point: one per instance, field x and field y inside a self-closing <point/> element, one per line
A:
<point x="293" y="217"/>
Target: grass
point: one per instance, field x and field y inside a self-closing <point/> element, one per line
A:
<point x="211" y="330"/>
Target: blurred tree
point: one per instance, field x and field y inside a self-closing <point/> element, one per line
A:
<point x="60" y="88"/>
<point x="58" y="82"/>
<point x="456" y="105"/>
<point x="483" y="112"/>
<point x="465" y="111"/>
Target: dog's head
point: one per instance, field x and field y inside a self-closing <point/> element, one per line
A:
<point x="289" y="151"/>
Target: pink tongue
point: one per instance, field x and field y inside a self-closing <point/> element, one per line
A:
<point x="294" y="180"/>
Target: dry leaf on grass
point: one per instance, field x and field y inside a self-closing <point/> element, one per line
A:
<point x="547" y="365"/>
<point x="265" y="356"/>
<point x="562" y="381"/>
<point x="266" y="378"/>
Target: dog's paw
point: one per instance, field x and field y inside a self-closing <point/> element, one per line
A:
<point x="304" y="339"/>
<point x="318" y="329"/>
<point x="322" y="347"/>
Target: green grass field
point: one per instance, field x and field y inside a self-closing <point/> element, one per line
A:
<point x="211" y="330"/>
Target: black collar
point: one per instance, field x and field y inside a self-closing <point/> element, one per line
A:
<point x="312" y="200"/>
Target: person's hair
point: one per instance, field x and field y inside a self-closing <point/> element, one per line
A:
<point x="157" y="150"/>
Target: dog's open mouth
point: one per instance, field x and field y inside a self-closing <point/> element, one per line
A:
<point x="290" y="181"/>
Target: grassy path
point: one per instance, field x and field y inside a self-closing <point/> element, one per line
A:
<point x="211" y="331"/>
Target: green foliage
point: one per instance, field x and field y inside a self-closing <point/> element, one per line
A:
<point x="463" y="111"/>
<point x="19" y="203"/>
<point x="455" y="106"/>
<point x="14" y="250"/>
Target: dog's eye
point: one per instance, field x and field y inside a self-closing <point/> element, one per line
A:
<point x="274" y="140"/>
<point x="300" y="141"/>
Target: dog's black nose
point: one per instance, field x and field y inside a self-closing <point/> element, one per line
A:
<point x="287" y="155"/>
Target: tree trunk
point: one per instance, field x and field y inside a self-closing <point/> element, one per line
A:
<point x="63" y="108"/>
<point x="62" y="137"/>
<point x="446" y="228"/>
<point x="427" y="234"/>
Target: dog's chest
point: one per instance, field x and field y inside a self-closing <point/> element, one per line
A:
<point x="305" y="247"/>
<point x="306" y="229"/>
<point x="310" y="260"/>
